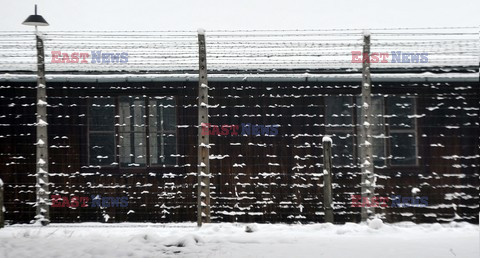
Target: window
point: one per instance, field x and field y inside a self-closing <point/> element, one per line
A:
<point x="403" y="136"/>
<point x="339" y="124"/>
<point x="132" y="131"/>
<point x="101" y="127"/>
<point x="393" y="129"/>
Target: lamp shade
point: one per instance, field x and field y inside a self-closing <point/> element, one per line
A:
<point x="35" y="20"/>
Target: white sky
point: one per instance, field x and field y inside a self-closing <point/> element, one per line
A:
<point x="239" y="14"/>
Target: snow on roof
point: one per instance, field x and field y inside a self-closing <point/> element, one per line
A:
<point x="334" y="77"/>
<point x="173" y="51"/>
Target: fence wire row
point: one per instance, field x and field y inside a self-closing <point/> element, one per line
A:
<point x="167" y="51"/>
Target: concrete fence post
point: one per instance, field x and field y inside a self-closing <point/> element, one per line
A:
<point x="42" y="185"/>
<point x="327" y="178"/>
<point x="366" y="140"/>
<point x="203" y="166"/>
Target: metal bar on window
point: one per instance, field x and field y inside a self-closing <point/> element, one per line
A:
<point x="153" y="139"/>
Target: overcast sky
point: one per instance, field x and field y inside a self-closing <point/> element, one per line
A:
<point x="239" y="14"/>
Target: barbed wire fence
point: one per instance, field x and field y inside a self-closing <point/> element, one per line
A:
<point x="176" y="52"/>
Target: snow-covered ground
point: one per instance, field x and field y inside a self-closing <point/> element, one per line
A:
<point x="232" y="240"/>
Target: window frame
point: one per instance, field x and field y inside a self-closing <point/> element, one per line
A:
<point x="116" y="164"/>
<point x="346" y="130"/>
<point x="413" y="130"/>
<point x="89" y="132"/>
<point x="148" y="133"/>
<point x="388" y="147"/>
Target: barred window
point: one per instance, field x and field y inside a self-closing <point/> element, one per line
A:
<point x="402" y="130"/>
<point x="101" y="131"/>
<point x="339" y="124"/>
<point x="132" y="131"/>
<point x="393" y="129"/>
